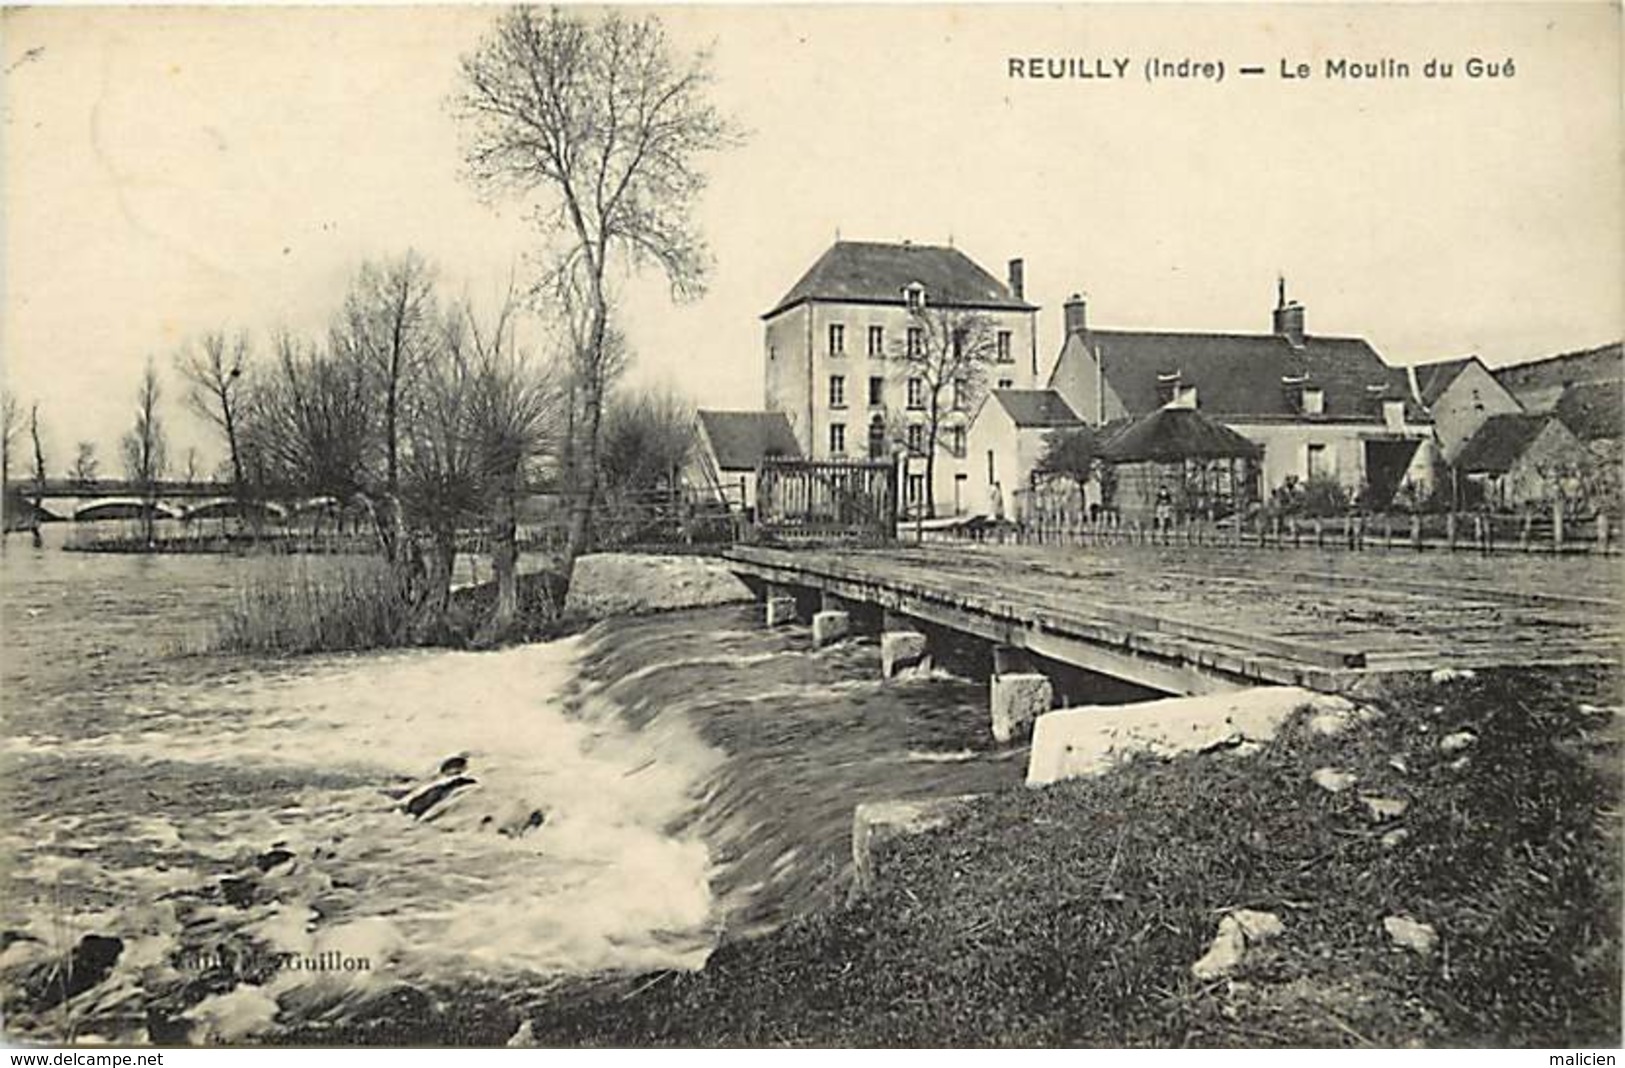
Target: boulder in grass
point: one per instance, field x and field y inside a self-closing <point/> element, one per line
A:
<point x="1420" y="938"/>
<point x="1332" y="780"/>
<point x="1238" y="931"/>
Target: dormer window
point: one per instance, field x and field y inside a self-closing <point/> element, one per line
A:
<point x="1393" y="414"/>
<point x="1167" y="387"/>
<point x="1314" y="400"/>
<point x="914" y="296"/>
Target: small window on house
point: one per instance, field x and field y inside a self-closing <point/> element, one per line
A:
<point x="1006" y="383"/>
<point x="1318" y="463"/>
<point x="837" y="439"/>
<point x="877" y="341"/>
<point x="961" y="394"/>
<point x="877" y="391"/>
<point x="1004" y="354"/>
<point x="916" y="488"/>
<point x="916" y="341"/>
<point x="837" y="339"/>
<point x="916" y="393"/>
<point x="956" y="441"/>
<point x="1314" y="401"/>
<point x="990" y="477"/>
<point x="914" y="296"/>
<point x="916" y="438"/>
<point x="837" y="391"/>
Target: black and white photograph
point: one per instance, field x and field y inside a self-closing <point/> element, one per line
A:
<point x="837" y="526"/>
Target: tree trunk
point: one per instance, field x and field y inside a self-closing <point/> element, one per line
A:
<point x="504" y="562"/>
<point x="434" y="598"/>
<point x="585" y="490"/>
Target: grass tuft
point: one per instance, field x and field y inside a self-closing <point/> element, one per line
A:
<point x="323" y="605"/>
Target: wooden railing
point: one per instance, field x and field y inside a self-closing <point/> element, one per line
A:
<point x="1463" y="532"/>
<point x="826" y="500"/>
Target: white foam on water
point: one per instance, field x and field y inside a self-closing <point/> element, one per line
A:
<point x="604" y="883"/>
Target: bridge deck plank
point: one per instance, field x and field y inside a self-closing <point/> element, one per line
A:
<point x="1248" y="606"/>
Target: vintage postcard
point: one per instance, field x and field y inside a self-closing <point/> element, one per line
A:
<point x="837" y="526"/>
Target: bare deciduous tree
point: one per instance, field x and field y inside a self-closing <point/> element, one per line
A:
<point x="215" y="371"/>
<point x="145" y="448"/>
<point x="85" y="466"/>
<point x="310" y="427"/>
<point x="947" y="351"/>
<point x="39" y="469"/>
<point x="388" y="327"/>
<point x="595" y="116"/>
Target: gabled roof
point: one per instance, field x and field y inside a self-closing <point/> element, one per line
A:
<point x="1432" y="379"/>
<point x="1605" y="363"/>
<point x="1176" y="434"/>
<point x="1036" y="408"/>
<point x="1499" y="442"/>
<point x="873" y="272"/>
<point x="1593" y="410"/>
<point x="1238" y="375"/>
<point x="741" y="440"/>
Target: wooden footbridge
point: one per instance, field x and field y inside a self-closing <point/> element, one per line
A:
<point x="1196" y="620"/>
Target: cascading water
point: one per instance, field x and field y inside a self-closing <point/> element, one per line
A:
<point x="246" y="831"/>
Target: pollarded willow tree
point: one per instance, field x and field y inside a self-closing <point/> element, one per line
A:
<point x="598" y="120"/>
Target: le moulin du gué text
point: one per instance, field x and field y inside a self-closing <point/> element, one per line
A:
<point x="1117" y="68"/>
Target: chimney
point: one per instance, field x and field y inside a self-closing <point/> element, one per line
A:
<point x="1288" y="317"/>
<point x="1077" y="321"/>
<point x="1018" y="279"/>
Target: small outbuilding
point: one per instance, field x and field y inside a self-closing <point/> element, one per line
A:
<point x="730" y="447"/>
<point x="1198" y="466"/>
<point x="1522" y="460"/>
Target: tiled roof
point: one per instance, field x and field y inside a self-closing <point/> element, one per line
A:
<point x="1543" y="379"/>
<point x="1176" y="434"/>
<point x="1432" y="379"/>
<point x="873" y="272"/>
<point x="1593" y="410"/>
<point x="1036" y="407"/>
<point x="1499" y="442"/>
<point x="1242" y="374"/>
<point x="740" y="440"/>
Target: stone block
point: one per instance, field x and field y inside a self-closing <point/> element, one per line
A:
<point x="900" y="649"/>
<point x="877" y="823"/>
<point x="1073" y="743"/>
<point x="1017" y="700"/>
<point x="780" y="610"/>
<point x="829" y="627"/>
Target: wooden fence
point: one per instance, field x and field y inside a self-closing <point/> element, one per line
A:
<point x="827" y="500"/>
<point x="1466" y="532"/>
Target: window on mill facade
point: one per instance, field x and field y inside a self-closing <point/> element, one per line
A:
<point x="916" y="393"/>
<point x="837" y="391"/>
<point x="837" y="439"/>
<point x="877" y="341"/>
<point x="837" y="339"/>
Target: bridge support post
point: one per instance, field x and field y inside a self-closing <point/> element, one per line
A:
<point x="781" y="606"/>
<point x="900" y="649"/>
<point x="1017" y="699"/>
<point x="829" y="627"/>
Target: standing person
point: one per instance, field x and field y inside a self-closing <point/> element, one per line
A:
<point x="1165" y="510"/>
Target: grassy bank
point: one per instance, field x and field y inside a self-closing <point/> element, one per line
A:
<point x="1072" y="915"/>
<point x="352" y="604"/>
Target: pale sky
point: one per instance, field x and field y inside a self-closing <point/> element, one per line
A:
<point x="167" y="172"/>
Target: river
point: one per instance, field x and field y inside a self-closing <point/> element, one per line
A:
<point x="241" y="827"/>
